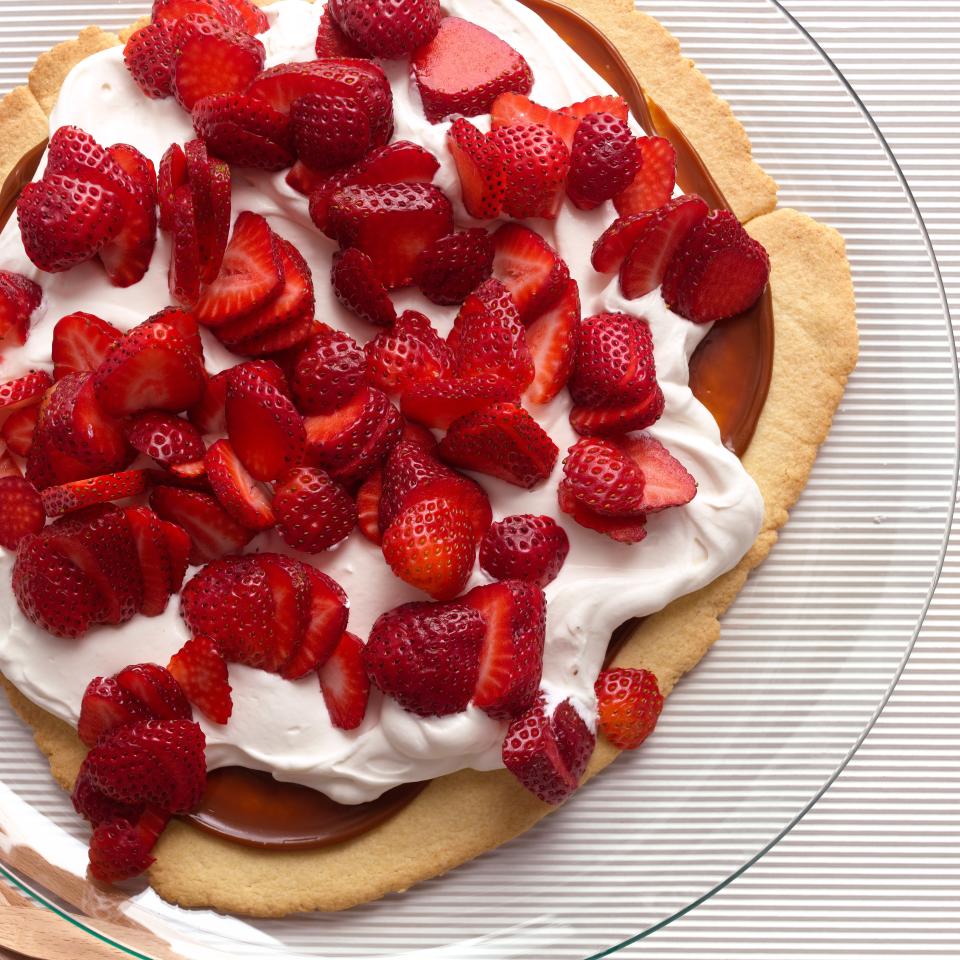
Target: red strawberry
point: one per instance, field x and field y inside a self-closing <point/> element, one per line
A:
<point x="510" y="109"/>
<point x="368" y="506"/>
<point x="604" y="478"/>
<point x="253" y="19"/>
<point x="511" y="662"/>
<point x="171" y="175"/>
<point x="655" y="180"/>
<point x="19" y="297"/>
<point x="616" y="420"/>
<point x="345" y="684"/>
<point x="351" y="441"/>
<point x="393" y="224"/>
<point x="398" y="162"/>
<point x="158" y="762"/>
<point x="201" y="671"/>
<point x="646" y="264"/>
<point x="78" y="494"/>
<point x="409" y="353"/>
<point x="73" y="152"/>
<point x="208" y="414"/>
<point x="156" y="564"/>
<point x="120" y="849"/>
<point x="168" y="440"/>
<point x="287" y="583"/>
<point x="80" y="343"/>
<point x="603" y="162"/>
<point x="25" y="391"/>
<point x="98" y="808"/>
<point x="524" y="547"/>
<point x="171" y="11"/>
<point x="668" y="484"/>
<point x="464" y="68"/>
<point x="106" y="706"/>
<point x="530" y="269"/>
<point x="326" y="620"/>
<point x="150" y="368"/>
<point x="454" y="266"/>
<point x="244" y="130"/>
<point x="272" y="342"/>
<point x="178" y="552"/>
<point x="239" y="494"/>
<point x="719" y="271"/>
<point x="251" y="274"/>
<point x="328" y="372"/>
<point x="426" y="656"/>
<point x="537" y="162"/>
<point x="618" y="240"/>
<point x="157" y="689"/>
<point x="333" y="43"/>
<point x="65" y="221"/>
<point x="548" y="755"/>
<point x="209" y="181"/>
<point x="314" y="512"/>
<point x="629" y="703"/>
<point x="21" y="511"/>
<point x="18" y="430"/>
<point x="387" y="29"/>
<point x="481" y="165"/>
<point x="627" y="530"/>
<point x="148" y="55"/>
<point x="503" y="441"/>
<point x="552" y="342"/>
<point x="359" y="289"/>
<point x="264" y="427"/>
<point x="213" y="532"/>
<point x="184" y="275"/>
<point x="211" y="58"/>
<point x="330" y="131"/>
<point x="431" y="546"/>
<point x="604" y="104"/>
<point x="437" y="403"/>
<point x="488" y="339"/>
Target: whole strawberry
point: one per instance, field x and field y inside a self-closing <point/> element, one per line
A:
<point x="387" y="28"/>
<point x="524" y="547"/>
<point x="629" y="705"/>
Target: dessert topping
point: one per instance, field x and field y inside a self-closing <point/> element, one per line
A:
<point x="524" y="547"/>
<point x="629" y="704"/>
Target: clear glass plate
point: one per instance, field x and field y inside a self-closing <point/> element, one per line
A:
<point x="809" y="652"/>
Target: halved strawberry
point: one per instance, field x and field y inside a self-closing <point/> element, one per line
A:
<point x="618" y="240"/>
<point x="629" y="703"/>
<point x="603" y="162"/>
<point x="359" y="289"/>
<point x="80" y="343"/>
<point x="21" y="511"/>
<point x="148" y="55"/>
<point x="156" y="568"/>
<point x="169" y="440"/>
<point x="19" y="297"/>
<point x="239" y="494"/>
<point x="244" y="131"/>
<point x="451" y="268"/>
<point x="183" y="278"/>
<point x="552" y="341"/>
<point x="171" y="175"/>
<point x="326" y="620"/>
<point x="646" y="264"/>
<point x="513" y="108"/>
<point x="328" y="372"/>
<point x="529" y="268"/>
<point x="511" y="662"/>
<point x="264" y="427"/>
<point x="78" y="494"/>
<point x="409" y="353"/>
<point x="437" y="403"/>
<point x="18" y="430"/>
<point x="601" y="104"/>
<point x="537" y="162"/>
<point x="212" y="531"/>
<point x="250" y="276"/>
<point x="464" y="68"/>
<point x="150" y="368"/>
<point x="345" y="684"/>
<point x="667" y="481"/>
<point x="481" y="165"/>
<point x="25" y="391"/>
<point x="211" y="58"/>
<point x="199" y="667"/>
<point x="503" y="441"/>
<point x="313" y="511"/>
<point x="655" y="179"/>
<point x="368" y="506"/>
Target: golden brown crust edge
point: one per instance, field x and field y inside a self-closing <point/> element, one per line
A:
<point x="816" y="348"/>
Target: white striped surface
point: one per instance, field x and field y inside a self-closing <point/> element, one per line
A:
<point x="813" y="642"/>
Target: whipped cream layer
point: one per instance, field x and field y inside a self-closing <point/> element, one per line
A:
<point x="283" y="727"/>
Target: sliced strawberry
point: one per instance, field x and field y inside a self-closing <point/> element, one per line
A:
<point x="313" y="512"/>
<point x="289" y="588"/>
<point x="603" y="162"/>
<point x="25" y="391"/>
<point x="185" y="324"/>
<point x="451" y="268"/>
<point x="213" y="532"/>
<point x="644" y="269"/>
<point x="481" y="165"/>
<point x="283" y="339"/>
<point x="183" y="279"/>
<point x="529" y="268"/>
<point x="171" y="175"/>
<point x="629" y="703"/>
<point x="387" y="30"/>
<point x="76" y="153"/>
<point x="200" y="669"/>
<point x="552" y="341"/>
<point x="254" y="20"/>
<point x="155" y="567"/>
<point x="345" y="684"/>
<point x="602" y="104"/>
<point x="601" y="476"/>
<point x="19" y="297"/>
<point x="626" y="530"/>
<point x="210" y="185"/>
<point x="330" y="131"/>
<point x="78" y="494"/>
<point x="121" y="850"/>
<point x="437" y="403"/>
<point x="655" y="179"/>
<point x="719" y="271"/>
<point x="368" y="506"/>
<point x="327" y="373"/>
<point x="170" y="11"/>
<point x="326" y="620"/>
<point x="426" y="656"/>
<point x="178" y="552"/>
<point x="106" y="706"/>
<point x="503" y="441"/>
<point x="8" y="466"/>
<point x="618" y="240"/>
<point x="21" y="511"/>
<point x="168" y="440"/>
<point x="463" y="70"/>
<point x="511" y="663"/>
<point x="524" y="547"/>
<point x="409" y="353"/>
<point x="537" y="163"/>
<point x="149" y="54"/>
<point x="619" y="419"/>
<point x="667" y="481"/>
<point x="150" y="368"/>
<point x="251" y="274"/>
<point x="244" y="131"/>
<point x="80" y="343"/>
<point x="97" y="808"/>
<point x="392" y="224"/>
<point x="510" y="109"/>
<point x="333" y="43"/>
<point x="18" y="430"/>
<point x="239" y="494"/>
<point x="212" y="58"/>
<point x="360" y="290"/>
<point x="208" y="414"/>
<point x="264" y="427"/>
<point x="156" y="687"/>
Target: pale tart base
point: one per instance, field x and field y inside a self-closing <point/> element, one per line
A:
<point x="465" y="814"/>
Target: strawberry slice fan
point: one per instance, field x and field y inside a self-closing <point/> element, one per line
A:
<point x="133" y="459"/>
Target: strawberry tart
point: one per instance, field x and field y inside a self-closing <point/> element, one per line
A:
<point x="366" y="368"/>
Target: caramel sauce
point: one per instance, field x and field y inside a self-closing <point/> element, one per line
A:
<point x="729" y="373"/>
